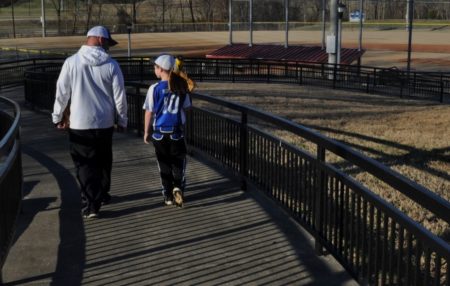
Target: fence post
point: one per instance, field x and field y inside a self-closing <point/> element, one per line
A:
<point x="374" y="78"/>
<point x="202" y="65"/>
<point x="140" y="126"/>
<point x="232" y="71"/>
<point x="268" y="73"/>
<point x="243" y="145"/>
<point x="442" y="89"/>
<point x="286" y="73"/>
<point x="401" y="86"/>
<point x="301" y="75"/>
<point x="319" y="200"/>
<point x="141" y="70"/>
<point x="334" y="76"/>
<point x="368" y="83"/>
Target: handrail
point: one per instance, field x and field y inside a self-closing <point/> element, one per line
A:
<point x="8" y="139"/>
<point x="10" y="176"/>
<point x="416" y="192"/>
<point x="363" y="231"/>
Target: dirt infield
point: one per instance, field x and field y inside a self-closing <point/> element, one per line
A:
<point x="430" y="49"/>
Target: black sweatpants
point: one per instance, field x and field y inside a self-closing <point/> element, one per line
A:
<point x="91" y="152"/>
<point x="171" y="156"/>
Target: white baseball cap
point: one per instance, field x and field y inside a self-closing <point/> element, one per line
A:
<point x="100" y="31"/>
<point x="166" y="62"/>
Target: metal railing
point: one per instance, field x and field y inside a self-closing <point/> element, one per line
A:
<point x="373" y="240"/>
<point x="10" y="174"/>
<point x="390" y="81"/>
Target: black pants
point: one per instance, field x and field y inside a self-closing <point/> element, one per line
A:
<point x="171" y="156"/>
<point x="91" y="152"/>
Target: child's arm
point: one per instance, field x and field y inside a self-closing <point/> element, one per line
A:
<point x="147" y="127"/>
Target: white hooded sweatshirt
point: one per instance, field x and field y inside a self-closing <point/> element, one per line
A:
<point x="94" y="83"/>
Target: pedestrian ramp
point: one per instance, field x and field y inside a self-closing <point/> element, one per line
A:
<point x="222" y="235"/>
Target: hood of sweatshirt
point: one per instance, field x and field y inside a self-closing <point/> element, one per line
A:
<point x="92" y="55"/>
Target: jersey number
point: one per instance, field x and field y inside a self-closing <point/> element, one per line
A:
<point x="171" y="104"/>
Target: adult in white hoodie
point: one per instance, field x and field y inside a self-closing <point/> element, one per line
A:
<point x="93" y="84"/>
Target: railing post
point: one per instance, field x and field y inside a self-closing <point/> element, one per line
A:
<point x="301" y="75"/>
<point x="368" y="83"/>
<point x="202" y="65"/>
<point x="442" y="89"/>
<point x="243" y="150"/>
<point x="141" y="71"/>
<point x="286" y="73"/>
<point x="232" y="71"/>
<point x="401" y="86"/>
<point x="334" y="76"/>
<point x="140" y="117"/>
<point x="268" y="73"/>
<point x="319" y="200"/>
<point x="374" y="78"/>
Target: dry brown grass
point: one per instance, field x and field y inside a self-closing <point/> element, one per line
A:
<point x="410" y="136"/>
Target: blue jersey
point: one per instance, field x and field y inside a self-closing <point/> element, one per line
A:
<point x="169" y="115"/>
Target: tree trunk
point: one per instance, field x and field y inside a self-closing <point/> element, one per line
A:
<point x="191" y="9"/>
<point x="182" y="14"/>
<point x="89" y="14"/>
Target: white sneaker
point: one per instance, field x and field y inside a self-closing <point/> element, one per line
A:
<point x="177" y="197"/>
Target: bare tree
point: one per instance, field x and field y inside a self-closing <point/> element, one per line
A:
<point x="191" y="9"/>
<point x="89" y="14"/>
<point x="57" y="6"/>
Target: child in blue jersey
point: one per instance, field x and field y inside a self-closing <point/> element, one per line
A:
<point x="164" y="126"/>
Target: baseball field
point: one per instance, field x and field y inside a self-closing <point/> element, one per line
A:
<point x="430" y="48"/>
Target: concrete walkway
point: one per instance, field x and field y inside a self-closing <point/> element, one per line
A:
<point x="223" y="236"/>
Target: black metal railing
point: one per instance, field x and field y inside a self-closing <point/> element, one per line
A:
<point x="374" y="241"/>
<point x="390" y="81"/>
<point x="10" y="174"/>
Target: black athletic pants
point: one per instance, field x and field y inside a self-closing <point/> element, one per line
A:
<point x="91" y="152"/>
<point x="171" y="156"/>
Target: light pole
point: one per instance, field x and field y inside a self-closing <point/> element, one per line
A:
<point x="13" y="20"/>
<point x="410" y="16"/>
<point x="323" y="23"/>
<point x="129" y="27"/>
<point x="361" y="18"/>
<point x="286" y="13"/>
<point x="331" y="40"/>
<point x="341" y="10"/>
<point x="43" y="18"/>
<point x="250" y="22"/>
<point x="230" y="21"/>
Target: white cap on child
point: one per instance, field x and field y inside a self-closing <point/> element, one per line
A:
<point x="166" y="62"/>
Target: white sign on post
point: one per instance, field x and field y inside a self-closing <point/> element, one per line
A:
<point x="331" y="44"/>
